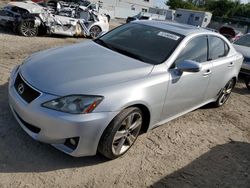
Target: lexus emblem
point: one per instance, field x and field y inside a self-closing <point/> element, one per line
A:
<point x="20" y="88"/>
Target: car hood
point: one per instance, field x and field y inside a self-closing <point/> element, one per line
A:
<point x="82" y="68"/>
<point x="244" y="50"/>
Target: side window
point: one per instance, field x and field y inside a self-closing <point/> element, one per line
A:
<point x="217" y="48"/>
<point x="195" y="50"/>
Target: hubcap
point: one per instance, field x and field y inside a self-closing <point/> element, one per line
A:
<point x="127" y="133"/>
<point x="226" y="93"/>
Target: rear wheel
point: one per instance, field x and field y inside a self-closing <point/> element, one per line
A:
<point x="121" y="134"/>
<point x="225" y="93"/>
<point x="27" y="29"/>
<point x="247" y="81"/>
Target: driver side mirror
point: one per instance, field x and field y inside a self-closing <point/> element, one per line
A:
<point x="188" y="66"/>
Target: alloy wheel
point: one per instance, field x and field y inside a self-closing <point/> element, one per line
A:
<point x="226" y="92"/>
<point x="95" y="31"/>
<point x="127" y="133"/>
<point x="28" y="29"/>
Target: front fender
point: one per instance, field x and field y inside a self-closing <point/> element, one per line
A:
<point x="150" y="92"/>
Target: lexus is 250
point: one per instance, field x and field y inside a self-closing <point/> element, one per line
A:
<point x="100" y="95"/>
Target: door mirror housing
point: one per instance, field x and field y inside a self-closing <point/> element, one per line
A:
<point x="188" y="66"/>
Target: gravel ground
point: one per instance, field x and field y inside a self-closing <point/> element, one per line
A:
<point x="205" y="148"/>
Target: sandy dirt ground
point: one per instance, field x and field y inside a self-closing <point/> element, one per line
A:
<point x="209" y="147"/>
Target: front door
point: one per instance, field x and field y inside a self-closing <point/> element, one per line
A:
<point x="187" y="91"/>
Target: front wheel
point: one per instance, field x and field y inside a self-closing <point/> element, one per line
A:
<point x="225" y="93"/>
<point x="27" y="29"/>
<point x="121" y="133"/>
<point x="95" y="31"/>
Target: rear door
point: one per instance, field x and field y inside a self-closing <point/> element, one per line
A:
<point x="222" y="69"/>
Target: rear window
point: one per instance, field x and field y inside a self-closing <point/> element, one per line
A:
<point x="146" y="43"/>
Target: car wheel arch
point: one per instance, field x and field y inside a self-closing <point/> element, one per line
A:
<point x="146" y="114"/>
<point x="235" y="80"/>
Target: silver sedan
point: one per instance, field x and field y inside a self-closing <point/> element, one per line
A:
<point x="100" y="95"/>
<point x="243" y="46"/>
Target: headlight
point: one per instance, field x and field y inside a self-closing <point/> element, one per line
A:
<point x="74" y="104"/>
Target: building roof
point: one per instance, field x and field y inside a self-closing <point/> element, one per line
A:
<point x="179" y="28"/>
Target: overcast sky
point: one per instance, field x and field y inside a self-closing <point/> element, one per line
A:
<point x="159" y="3"/>
<point x="245" y="1"/>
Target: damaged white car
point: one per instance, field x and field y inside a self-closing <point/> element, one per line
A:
<point x="64" y="18"/>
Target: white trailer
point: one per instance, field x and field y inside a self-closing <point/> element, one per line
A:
<point x="193" y="17"/>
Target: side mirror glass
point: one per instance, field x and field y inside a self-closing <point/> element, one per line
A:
<point x="188" y="66"/>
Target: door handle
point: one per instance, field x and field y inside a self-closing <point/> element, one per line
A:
<point x="231" y="64"/>
<point x="208" y="71"/>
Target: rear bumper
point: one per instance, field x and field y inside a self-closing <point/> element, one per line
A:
<point x="54" y="127"/>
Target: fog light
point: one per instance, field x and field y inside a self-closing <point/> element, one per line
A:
<point x="72" y="142"/>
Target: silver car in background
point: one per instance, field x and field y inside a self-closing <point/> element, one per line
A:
<point x="100" y="95"/>
<point x="242" y="45"/>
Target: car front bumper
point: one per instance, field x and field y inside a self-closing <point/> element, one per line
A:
<point x="55" y="127"/>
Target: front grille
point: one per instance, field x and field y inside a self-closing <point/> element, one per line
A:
<point x="32" y="128"/>
<point x="24" y="90"/>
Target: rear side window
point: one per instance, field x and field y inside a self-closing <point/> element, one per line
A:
<point x="217" y="48"/>
<point x="195" y="50"/>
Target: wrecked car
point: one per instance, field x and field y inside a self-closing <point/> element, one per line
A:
<point x="64" y="18"/>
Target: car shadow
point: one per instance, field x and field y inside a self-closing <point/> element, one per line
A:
<point x="6" y="30"/>
<point x="239" y="89"/>
<point x="224" y="165"/>
<point x="20" y="153"/>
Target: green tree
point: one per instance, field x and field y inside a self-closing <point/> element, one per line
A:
<point x="174" y="4"/>
<point x="220" y="8"/>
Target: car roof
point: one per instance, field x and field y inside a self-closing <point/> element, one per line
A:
<point x="182" y="29"/>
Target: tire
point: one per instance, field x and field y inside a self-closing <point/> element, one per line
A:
<point x="224" y="94"/>
<point x="27" y="29"/>
<point x="247" y="82"/>
<point x="95" y="31"/>
<point x="121" y="133"/>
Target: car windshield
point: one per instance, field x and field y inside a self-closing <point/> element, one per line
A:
<point x="243" y="41"/>
<point x="142" y="42"/>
